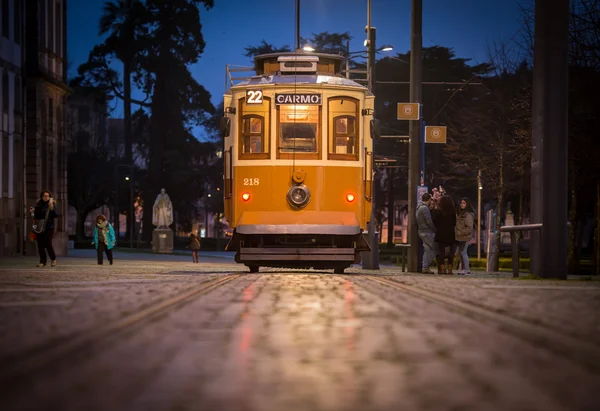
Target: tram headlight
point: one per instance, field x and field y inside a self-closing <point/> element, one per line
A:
<point x="246" y="196"/>
<point x="298" y="196"/>
<point x="350" y="197"/>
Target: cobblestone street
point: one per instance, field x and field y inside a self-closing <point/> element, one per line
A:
<point x="156" y="332"/>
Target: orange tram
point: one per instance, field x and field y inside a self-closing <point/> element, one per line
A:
<point x="298" y="163"/>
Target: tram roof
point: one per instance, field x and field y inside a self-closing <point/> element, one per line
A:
<point x="299" y="79"/>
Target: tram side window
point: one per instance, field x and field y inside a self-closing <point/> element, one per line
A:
<point x="252" y="134"/>
<point x="254" y="130"/>
<point x="298" y="130"/>
<point x="343" y="129"/>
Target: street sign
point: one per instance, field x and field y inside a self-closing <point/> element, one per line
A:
<point x="435" y="134"/>
<point x="420" y="191"/>
<point x="409" y="111"/>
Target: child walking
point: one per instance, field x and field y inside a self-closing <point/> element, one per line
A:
<point x="104" y="239"/>
<point x="194" y="245"/>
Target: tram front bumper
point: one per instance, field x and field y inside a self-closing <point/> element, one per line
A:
<point x="294" y="222"/>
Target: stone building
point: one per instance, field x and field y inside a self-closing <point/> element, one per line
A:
<point x="34" y="93"/>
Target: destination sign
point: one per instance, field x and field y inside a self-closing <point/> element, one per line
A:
<point x="292" y="98"/>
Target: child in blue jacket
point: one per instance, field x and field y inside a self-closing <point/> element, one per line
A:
<point x="104" y="238"/>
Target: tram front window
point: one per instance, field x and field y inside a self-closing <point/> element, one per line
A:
<point x="298" y="129"/>
<point x="298" y="137"/>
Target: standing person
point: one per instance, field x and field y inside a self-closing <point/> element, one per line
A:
<point x="444" y="220"/>
<point x="44" y="214"/>
<point x="426" y="231"/>
<point x="464" y="232"/>
<point x="194" y="245"/>
<point x="104" y="239"/>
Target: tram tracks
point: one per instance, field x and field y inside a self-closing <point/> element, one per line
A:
<point x="22" y="366"/>
<point x="575" y="349"/>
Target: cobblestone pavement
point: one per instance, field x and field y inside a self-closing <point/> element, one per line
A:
<point x="292" y="340"/>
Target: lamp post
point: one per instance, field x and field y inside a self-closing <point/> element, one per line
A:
<point x="130" y="209"/>
<point x="361" y="53"/>
<point x="479" y="189"/>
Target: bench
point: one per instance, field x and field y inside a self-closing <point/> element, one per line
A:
<point x="403" y="257"/>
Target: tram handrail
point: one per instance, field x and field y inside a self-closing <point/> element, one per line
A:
<point x="368" y="153"/>
<point x="230" y="154"/>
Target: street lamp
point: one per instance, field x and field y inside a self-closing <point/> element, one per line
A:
<point x="479" y="189"/>
<point x="130" y="211"/>
<point x="362" y="53"/>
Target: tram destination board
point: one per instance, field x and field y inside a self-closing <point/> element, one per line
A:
<point x="293" y="98"/>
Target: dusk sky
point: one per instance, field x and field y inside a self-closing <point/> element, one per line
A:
<point x="470" y="27"/>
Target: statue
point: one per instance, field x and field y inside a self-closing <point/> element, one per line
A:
<point x="162" y="212"/>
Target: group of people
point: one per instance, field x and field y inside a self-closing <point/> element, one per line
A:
<point x="443" y="230"/>
<point x="45" y="212"/>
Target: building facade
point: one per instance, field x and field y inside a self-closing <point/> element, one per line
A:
<point x="34" y="92"/>
<point x="12" y="200"/>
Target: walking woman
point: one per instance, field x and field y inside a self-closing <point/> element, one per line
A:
<point x="444" y="220"/>
<point x="44" y="214"/>
<point x="464" y="232"/>
<point x="194" y="245"/>
<point x="104" y="239"/>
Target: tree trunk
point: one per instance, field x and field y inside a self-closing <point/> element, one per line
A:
<point x="500" y="193"/>
<point x="572" y="219"/>
<point x="520" y="217"/>
<point x="391" y="216"/>
<point x="597" y="231"/>
<point x="128" y="137"/>
<point x="156" y="172"/>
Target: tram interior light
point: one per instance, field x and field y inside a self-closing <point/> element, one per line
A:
<point x="246" y="196"/>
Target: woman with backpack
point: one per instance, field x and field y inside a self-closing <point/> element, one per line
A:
<point x="43" y="215"/>
<point x="465" y="220"/>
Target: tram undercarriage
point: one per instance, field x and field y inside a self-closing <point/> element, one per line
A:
<point x="318" y="251"/>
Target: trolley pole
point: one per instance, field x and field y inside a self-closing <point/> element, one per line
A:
<point x="297" y="39"/>
<point x="414" y="161"/>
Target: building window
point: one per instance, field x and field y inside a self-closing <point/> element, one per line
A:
<point x="17" y="21"/>
<point x="18" y="95"/>
<point x="343" y="128"/>
<point x="59" y="30"/>
<point x="298" y="131"/>
<point x="5" y="18"/>
<point x="50" y="115"/>
<point x="5" y="91"/>
<point x="51" y="32"/>
<point x="42" y="23"/>
<point x="254" y="129"/>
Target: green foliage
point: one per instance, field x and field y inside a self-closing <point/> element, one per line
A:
<point x="332" y="43"/>
<point x="264" y="48"/>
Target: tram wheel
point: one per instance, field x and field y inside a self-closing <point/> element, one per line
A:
<point x="338" y="270"/>
<point x="253" y="268"/>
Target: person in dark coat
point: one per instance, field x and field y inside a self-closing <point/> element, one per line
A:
<point x="444" y="220"/>
<point x="194" y="245"/>
<point x="45" y="210"/>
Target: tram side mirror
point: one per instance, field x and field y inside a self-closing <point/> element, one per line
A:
<point x="375" y="129"/>
<point x="225" y="126"/>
